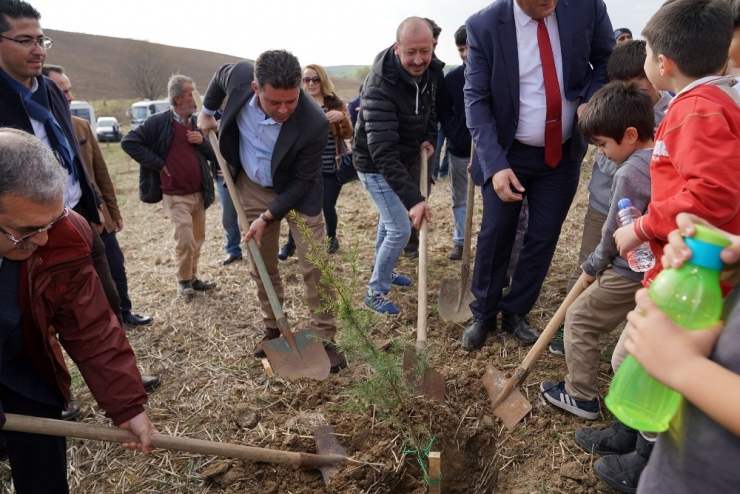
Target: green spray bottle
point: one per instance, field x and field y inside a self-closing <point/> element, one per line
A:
<point x="691" y="296"/>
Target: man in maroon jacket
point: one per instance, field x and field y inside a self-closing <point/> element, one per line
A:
<point x="51" y="298"/>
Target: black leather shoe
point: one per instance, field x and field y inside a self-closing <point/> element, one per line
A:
<point x="518" y="325"/>
<point x="287" y="251"/>
<point x="72" y="410"/>
<point x="270" y="334"/>
<point x="230" y="259"/>
<point x="150" y="383"/>
<point x="333" y="245"/>
<point x="336" y="358"/>
<point x="136" y="320"/>
<point x="411" y="253"/>
<point x="476" y="333"/>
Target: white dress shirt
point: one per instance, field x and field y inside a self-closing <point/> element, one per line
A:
<point x="532" y="100"/>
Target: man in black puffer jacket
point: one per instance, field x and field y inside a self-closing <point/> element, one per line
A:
<point x="395" y="123"/>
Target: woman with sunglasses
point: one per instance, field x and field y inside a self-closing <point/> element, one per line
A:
<point x="317" y="83"/>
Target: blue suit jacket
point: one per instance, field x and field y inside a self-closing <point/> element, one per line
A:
<point x="492" y="74"/>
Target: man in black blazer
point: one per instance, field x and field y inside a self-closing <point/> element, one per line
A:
<point x="272" y="134"/>
<point x="532" y="66"/>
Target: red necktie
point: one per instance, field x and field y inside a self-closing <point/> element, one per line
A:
<point x="553" y="122"/>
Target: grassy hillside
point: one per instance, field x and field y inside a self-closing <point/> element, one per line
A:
<point x="92" y="64"/>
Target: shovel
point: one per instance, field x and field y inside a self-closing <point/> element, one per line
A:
<point x="431" y="383"/>
<point x="454" y="296"/>
<point x="295" y="355"/>
<point x="508" y="403"/>
<point x="330" y="452"/>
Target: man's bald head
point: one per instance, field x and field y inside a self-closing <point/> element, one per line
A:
<point x="412" y="26"/>
<point x="414" y="45"/>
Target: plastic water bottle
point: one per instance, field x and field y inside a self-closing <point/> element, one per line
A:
<point x="691" y="296"/>
<point x="641" y="258"/>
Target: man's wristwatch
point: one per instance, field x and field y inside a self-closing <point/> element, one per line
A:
<point x="264" y="218"/>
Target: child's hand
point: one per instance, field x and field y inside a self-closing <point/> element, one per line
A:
<point x="587" y="278"/>
<point x="663" y="348"/>
<point x="676" y="252"/>
<point x="626" y="239"/>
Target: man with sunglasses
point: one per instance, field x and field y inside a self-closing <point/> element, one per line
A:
<point x="31" y="102"/>
<point x="51" y="299"/>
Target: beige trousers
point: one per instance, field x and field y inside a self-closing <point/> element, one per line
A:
<point x="255" y="199"/>
<point x="592" y="224"/>
<point x="599" y="309"/>
<point x="188" y="215"/>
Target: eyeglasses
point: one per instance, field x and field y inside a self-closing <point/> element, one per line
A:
<point x="43" y="42"/>
<point x="315" y="79"/>
<point x="17" y="241"/>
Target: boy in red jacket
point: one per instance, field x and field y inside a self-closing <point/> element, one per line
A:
<point x="695" y="166"/>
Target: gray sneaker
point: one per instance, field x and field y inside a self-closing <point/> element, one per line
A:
<point x="202" y="286"/>
<point x="185" y="288"/>
<point x="557" y="346"/>
<point x="456" y="253"/>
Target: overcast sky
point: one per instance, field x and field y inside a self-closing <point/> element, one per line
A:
<point x="349" y="32"/>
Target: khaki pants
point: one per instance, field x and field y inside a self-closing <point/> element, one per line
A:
<point x="620" y="353"/>
<point x="188" y="214"/>
<point x="599" y="309"/>
<point x="592" y="224"/>
<point x="254" y="200"/>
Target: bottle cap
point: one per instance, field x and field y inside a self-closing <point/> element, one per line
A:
<point x="706" y="246"/>
<point x="624" y="203"/>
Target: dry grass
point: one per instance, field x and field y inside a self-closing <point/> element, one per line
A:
<point x="212" y="387"/>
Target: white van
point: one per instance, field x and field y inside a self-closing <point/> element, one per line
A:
<point x="84" y="110"/>
<point x="141" y="110"/>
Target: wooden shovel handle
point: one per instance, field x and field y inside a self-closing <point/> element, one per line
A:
<point x="543" y="341"/>
<point x="468" y="238"/>
<point x="36" y="425"/>
<point x="421" y="314"/>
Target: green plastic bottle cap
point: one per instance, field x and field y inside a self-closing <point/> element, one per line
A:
<point x="710" y="236"/>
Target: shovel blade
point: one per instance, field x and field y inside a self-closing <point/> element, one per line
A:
<point x="327" y="444"/>
<point x="430" y="384"/>
<point x="454" y="300"/>
<point x="307" y="359"/>
<point x="514" y="407"/>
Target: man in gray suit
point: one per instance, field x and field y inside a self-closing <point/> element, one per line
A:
<point x="272" y="135"/>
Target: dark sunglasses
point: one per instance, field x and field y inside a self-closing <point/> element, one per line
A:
<point x="315" y="79"/>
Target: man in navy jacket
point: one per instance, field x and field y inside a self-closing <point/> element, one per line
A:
<point x="515" y="48"/>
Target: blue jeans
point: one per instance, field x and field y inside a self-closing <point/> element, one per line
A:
<point x="443" y="168"/>
<point x="394" y="230"/>
<point x="229" y="220"/>
<point x="459" y="186"/>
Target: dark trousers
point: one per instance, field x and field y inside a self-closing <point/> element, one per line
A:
<point x="332" y="188"/>
<point x="550" y="193"/>
<point x="100" y="263"/>
<point x="114" y="256"/>
<point x="38" y="462"/>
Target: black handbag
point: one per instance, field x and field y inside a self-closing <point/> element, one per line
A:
<point x="344" y="169"/>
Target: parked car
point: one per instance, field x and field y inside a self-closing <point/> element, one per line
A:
<point x="108" y="129"/>
<point x="83" y="109"/>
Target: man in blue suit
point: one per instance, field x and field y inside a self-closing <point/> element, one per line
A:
<point x="532" y="66"/>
